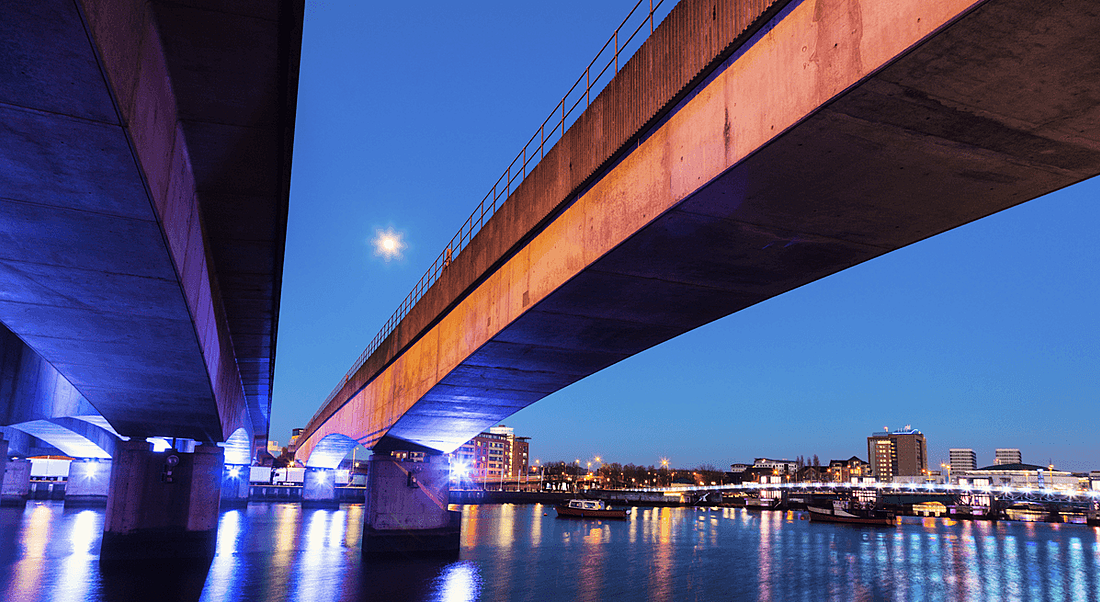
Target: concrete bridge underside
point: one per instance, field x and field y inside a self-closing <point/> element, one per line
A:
<point x="144" y="178"/>
<point x="843" y="130"/>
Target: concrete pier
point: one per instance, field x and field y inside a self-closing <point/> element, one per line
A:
<point x="407" y="511"/>
<point x="16" y="487"/>
<point x="235" y="486"/>
<point x="162" y="504"/>
<point x="3" y="459"/>
<point x="88" y="484"/>
<point x="319" y="488"/>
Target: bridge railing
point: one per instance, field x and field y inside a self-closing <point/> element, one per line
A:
<point x="615" y="52"/>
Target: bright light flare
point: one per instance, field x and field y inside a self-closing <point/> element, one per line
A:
<point x="388" y="244"/>
<point x="459" y="471"/>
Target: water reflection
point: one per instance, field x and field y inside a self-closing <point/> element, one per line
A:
<point x="282" y="552"/>
<point x="459" y="582"/>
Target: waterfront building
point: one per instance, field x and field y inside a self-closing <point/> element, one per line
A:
<point x="1018" y="475"/>
<point x="812" y="474"/>
<point x="739" y="467"/>
<point x="495" y="456"/>
<point x="1007" y="456"/>
<point x="962" y="459"/>
<point x="842" y="471"/>
<point x="902" y="453"/>
<point x="779" y="466"/>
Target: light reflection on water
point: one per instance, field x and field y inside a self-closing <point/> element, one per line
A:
<point x="282" y="552"/>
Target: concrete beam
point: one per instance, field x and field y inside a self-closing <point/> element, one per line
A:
<point x="843" y="130"/>
<point x="110" y="267"/>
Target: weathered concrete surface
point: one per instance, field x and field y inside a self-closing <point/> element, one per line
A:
<point x="22" y="444"/>
<point x="3" y="461"/>
<point x="32" y="389"/>
<point x="146" y="160"/>
<point x="847" y="129"/>
<point x="17" y="482"/>
<point x="160" y="509"/>
<point x="88" y="483"/>
<point x="319" y="488"/>
<point x="235" y="486"/>
<point x="407" y="511"/>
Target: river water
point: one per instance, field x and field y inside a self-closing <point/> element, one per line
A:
<point x="523" y="552"/>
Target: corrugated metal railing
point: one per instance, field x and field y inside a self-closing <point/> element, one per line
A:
<point x="622" y="42"/>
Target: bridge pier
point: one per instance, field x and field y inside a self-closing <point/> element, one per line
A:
<point x="89" y="481"/>
<point x="3" y="463"/>
<point x="407" y="511"/>
<point x="319" y="488"/>
<point x="235" y="486"/>
<point x="162" y="504"/>
<point x="16" y="486"/>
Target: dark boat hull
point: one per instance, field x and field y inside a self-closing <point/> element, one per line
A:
<point x="567" y="512"/>
<point x="825" y="515"/>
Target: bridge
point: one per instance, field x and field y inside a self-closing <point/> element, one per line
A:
<point x="747" y="148"/>
<point x="989" y="501"/>
<point x="144" y="181"/>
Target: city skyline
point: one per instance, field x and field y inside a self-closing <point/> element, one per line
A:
<point x="982" y="337"/>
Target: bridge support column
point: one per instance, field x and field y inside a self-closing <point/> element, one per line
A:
<point x="235" y="486"/>
<point x="407" y="511"/>
<point x="319" y="488"/>
<point x="3" y="459"/>
<point x="89" y="479"/>
<point x="162" y="504"/>
<point x="16" y="487"/>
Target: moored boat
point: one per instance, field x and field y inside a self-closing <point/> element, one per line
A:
<point x="590" y="509"/>
<point x="852" y="513"/>
<point x="759" y="503"/>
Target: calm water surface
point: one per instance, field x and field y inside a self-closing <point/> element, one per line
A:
<point x="513" y="552"/>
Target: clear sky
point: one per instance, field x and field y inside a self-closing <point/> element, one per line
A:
<point x="986" y="336"/>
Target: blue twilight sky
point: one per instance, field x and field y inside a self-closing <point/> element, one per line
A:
<point x="987" y="336"/>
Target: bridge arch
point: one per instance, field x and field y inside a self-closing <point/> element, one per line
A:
<point x="238" y="447"/>
<point x="65" y="439"/>
<point x="330" y="450"/>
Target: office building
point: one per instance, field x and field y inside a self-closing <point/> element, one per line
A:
<point x="963" y="459"/>
<point x="294" y="435"/>
<point x="1007" y="456"/>
<point x="901" y="453"/>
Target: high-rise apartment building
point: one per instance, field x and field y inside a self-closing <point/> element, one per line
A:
<point x="1007" y="456"/>
<point x="901" y="453"/>
<point x="963" y="459"/>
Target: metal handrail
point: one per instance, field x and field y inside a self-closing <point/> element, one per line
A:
<point x="508" y="181"/>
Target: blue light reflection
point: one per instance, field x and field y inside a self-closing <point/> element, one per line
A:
<point x="458" y="582"/>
